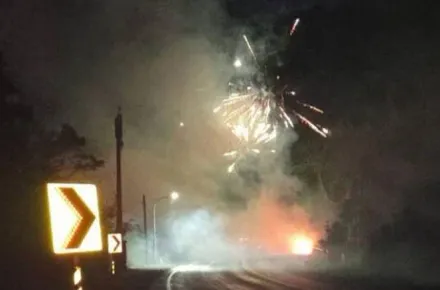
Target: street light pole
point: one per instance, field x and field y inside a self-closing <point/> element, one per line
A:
<point x="154" y="233"/>
<point x="154" y="226"/>
<point x="173" y="196"/>
<point x="144" y="209"/>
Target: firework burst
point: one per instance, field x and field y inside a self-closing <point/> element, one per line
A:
<point x="257" y="116"/>
<point x="253" y="116"/>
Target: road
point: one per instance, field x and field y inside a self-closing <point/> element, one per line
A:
<point x="242" y="278"/>
<point x="214" y="279"/>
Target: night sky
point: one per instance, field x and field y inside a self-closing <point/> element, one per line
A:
<point x="52" y="49"/>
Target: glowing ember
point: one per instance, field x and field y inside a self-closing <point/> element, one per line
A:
<point x="302" y="245"/>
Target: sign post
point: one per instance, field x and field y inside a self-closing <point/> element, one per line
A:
<point x="77" y="274"/>
<point x="74" y="221"/>
<point x="114" y="246"/>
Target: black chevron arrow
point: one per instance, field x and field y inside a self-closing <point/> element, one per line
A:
<point x="85" y="218"/>
<point x="118" y="242"/>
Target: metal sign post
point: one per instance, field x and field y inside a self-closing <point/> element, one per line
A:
<point x="112" y="265"/>
<point x="114" y="246"/>
<point x="77" y="274"/>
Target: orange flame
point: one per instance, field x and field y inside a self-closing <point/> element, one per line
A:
<point x="301" y="245"/>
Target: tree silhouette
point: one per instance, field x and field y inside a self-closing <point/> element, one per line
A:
<point x="31" y="156"/>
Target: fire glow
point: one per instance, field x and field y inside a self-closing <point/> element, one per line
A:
<point x="302" y="245"/>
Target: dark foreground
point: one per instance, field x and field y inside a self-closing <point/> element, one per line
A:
<point x="241" y="279"/>
<point x="257" y="274"/>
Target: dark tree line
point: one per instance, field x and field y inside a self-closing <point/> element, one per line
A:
<point x="374" y="66"/>
<point x="30" y="156"/>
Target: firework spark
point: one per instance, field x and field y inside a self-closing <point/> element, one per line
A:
<point x="256" y="115"/>
<point x="294" y="25"/>
<point x="249" y="47"/>
<point x="251" y="116"/>
<point x="324" y="132"/>
<point x="313" y="108"/>
<point x="236" y="155"/>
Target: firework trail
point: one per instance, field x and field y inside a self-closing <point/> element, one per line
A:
<point x="294" y="25"/>
<point x="257" y="116"/>
<point x="313" y="108"/>
<point x="249" y="47"/>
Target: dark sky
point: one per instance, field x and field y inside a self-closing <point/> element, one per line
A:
<point x="340" y="48"/>
<point x="354" y="53"/>
<point x="58" y="50"/>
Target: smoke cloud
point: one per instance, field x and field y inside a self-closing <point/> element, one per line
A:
<point x="166" y="63"/>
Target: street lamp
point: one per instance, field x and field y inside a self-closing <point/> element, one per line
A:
<point x="172" y="196"/>
<point x="237" y="63"/>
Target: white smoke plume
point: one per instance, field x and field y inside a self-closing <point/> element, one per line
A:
<point x="162" y="62"/>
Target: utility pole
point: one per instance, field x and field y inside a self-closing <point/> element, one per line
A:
<point x="119" y="144"/>
<point x="119" y="220"/>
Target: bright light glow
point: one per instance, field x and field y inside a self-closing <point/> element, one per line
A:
<point x="64" y="218"/>
<point x="185" y="268"/>
<point x="191" y="268"/>
<point x="174" y="195"/>
<point x="181" y="124"/>
<point x="77" y="278"/>
<point x="237" y="63"/>
<point x="294" y="25"/>
<point x="326" y="131"/>
<point x="302" y="245"/>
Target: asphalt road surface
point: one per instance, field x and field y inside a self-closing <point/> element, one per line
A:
<point x="208" y="280"/>
<point x="245" y="277"/>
